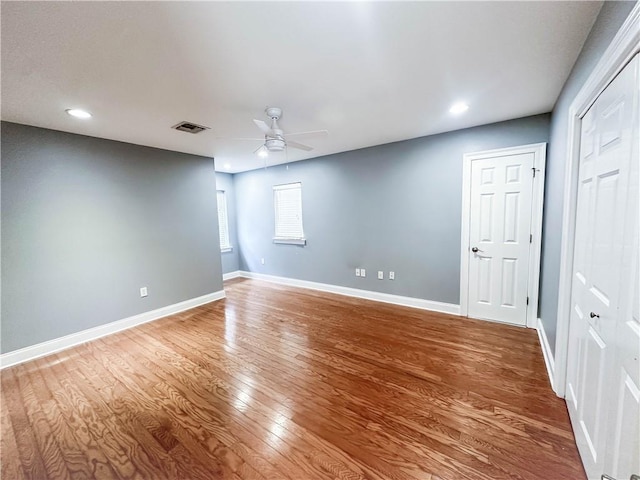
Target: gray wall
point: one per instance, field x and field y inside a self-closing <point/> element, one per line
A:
<point x="609" y="20"/>
<point x="391" y="207"/>
<point x="86" y="222"/>
<point x="230" y="260"/>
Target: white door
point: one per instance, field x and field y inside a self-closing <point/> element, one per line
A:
<point x="500" y="237"/>
<point x="622" y="458"/>
<point x="602" y="295"/>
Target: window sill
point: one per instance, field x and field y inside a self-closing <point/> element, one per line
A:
<point x="291" y="241"/>
<point x="226" y="250"/>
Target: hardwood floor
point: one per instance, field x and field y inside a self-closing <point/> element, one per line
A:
<point x="282" y="383"/>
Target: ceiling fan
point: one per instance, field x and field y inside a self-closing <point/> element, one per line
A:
<point x="275" y="140"/>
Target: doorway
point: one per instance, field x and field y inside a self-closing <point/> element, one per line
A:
<point x="503" y="193"/>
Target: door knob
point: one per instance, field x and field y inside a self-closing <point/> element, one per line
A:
<point x="475" y="249"/>
<point x="595" y="315"/>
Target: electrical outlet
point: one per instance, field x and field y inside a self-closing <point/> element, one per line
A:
<point x="380" y="275"/>
<point x="363" y="272"/>
<point x="262" y="261"/>
<point x="143" y="292"/>
<point x="357" y="272"/>
<point x="392" y="275"/>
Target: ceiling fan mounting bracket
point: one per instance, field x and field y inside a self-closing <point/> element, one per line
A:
<point x="273" y="113"/>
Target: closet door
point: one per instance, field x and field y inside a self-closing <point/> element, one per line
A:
<point x="605" y="216"/>
<point x="623" y="438"/>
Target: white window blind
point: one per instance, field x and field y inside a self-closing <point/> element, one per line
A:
<point x="288" y="204"/>
<point x="223" y="221"/>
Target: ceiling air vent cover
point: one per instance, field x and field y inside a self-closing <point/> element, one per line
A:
<point x="190" y="127"/>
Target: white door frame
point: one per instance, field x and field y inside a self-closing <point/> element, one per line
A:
<point x="537" y="201"/>
<point x="621" y="50"/>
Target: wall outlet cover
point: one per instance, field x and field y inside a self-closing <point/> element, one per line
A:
<point x="363" y="272"/>
<point x="144" y="292"/>
<point x="392" y="275"/>
<point x="357" y="272"/>
<point x="380" y="275"/>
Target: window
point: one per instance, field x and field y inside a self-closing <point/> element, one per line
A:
<point x="288" y="204"/>
<point x="223" y="222"/>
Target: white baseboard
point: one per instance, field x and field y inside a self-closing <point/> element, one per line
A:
<point x="56" y="345"/>
<point x="230" y="275"/>
<point x="546" y="352"/>
<point x="430" y="305"/>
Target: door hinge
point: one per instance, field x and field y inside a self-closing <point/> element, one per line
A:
<point x="531" y="238"/>
<point x="527" y="300"/>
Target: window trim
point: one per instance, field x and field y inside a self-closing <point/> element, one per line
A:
<point x="288" y="240"/>
<point x="228" y="247"/>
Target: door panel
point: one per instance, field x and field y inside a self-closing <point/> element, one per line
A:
<point x="509" y="281"/>
<point x="500" y="223"/>
<point x="595" y="354"/>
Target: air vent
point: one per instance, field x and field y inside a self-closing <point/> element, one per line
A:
<point x="190" y="127"/>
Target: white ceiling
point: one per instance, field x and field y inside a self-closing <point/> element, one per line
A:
<point x="370" y="73"/>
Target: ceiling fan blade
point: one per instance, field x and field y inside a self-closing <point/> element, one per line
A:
<point x="312" y="133"/>
<point x="263" y="126"/>
<point x="300" y="146"/>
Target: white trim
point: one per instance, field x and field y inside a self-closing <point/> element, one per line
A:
<point x="546" y="351"/>
<point x="430" y="305"/>
<point x="290" y="241"/>
<point x="226" y="249"/>
<point x="539" y="151"/>
<point x="622" y="49"/>
<point x="62" y="343"/>
<point x="230" y="275"/>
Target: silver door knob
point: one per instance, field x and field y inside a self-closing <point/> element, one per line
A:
<point x="594" y="315"/>
<point x="475" y="249"/>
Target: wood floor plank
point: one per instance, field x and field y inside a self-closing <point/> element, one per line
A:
<point x="275" y="382"/>
<point x="28" y="458"/>
<point x="10" y="468"/>
<point x="55" y="464"/>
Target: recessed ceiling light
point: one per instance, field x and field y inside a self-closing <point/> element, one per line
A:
<point x="459" y="107"/>
<point x="227" y="166"/>
<point x="76" y="112"/>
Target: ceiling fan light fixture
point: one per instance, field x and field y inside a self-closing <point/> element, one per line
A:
<point x="263" y="152"/>
<point x="275" y="144"/>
